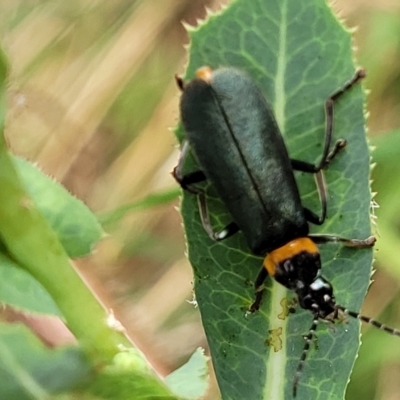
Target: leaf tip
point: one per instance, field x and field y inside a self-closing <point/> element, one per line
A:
<point x="189" y="28"/>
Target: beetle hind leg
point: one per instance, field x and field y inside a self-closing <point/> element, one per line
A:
<point x="228" y="231"/>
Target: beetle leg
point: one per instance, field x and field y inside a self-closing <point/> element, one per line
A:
<point x="188" y="179"/>
<point x="292" y="305"/>
<point x="361" y="243"/>
<point x="328" y="154"/>
<point x="314" y="218"/>
<point x="229" y="230"/>
<point x="322" y="192"/>
<point x="305" y="166"/>
<point x="321" y="187"/>
<point x="259" y="288"/>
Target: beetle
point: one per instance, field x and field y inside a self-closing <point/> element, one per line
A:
<point x="238" y="146"/>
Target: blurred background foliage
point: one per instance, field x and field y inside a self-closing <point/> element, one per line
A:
<point x="91" y="100"/>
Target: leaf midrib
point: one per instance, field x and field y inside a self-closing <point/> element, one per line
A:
<point x="276" y="362"/>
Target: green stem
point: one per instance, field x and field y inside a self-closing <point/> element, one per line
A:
<point x="33" y="244"/>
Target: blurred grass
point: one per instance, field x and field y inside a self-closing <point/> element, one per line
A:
<point x="92" y="96"/>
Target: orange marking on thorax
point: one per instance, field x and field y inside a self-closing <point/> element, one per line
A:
<point x="204" y="73"/>
<point x="289" y="250"/>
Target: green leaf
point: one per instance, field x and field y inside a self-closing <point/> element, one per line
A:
<point x="20" y="289"/>
<point x="150" y="201"/>
<point x="190" y="381"/>
<point x="28" y="370"/>
<point x="75" y="225"/>
<point x="298" y="54"/>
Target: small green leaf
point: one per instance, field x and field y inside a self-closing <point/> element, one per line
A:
<point x="298" y="53"/>
<point x="18" y="288"/>
<point x="190" y="381"/>
<point x="149" y="201"/>
<point x="29" y="371"/>
<point x="75" y="225"/>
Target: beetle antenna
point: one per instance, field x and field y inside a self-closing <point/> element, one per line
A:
<point x="382" y="327"/>
<point x="300" y="365"/>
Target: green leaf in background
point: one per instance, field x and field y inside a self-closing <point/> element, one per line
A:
<point x="191" y="380"/>
<point x="18" y="288"/>
<point x="28" y="370"/>
<point x="75" y="225"/>
<point x="108" y="219"/>
<point x="298" y="53"/>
